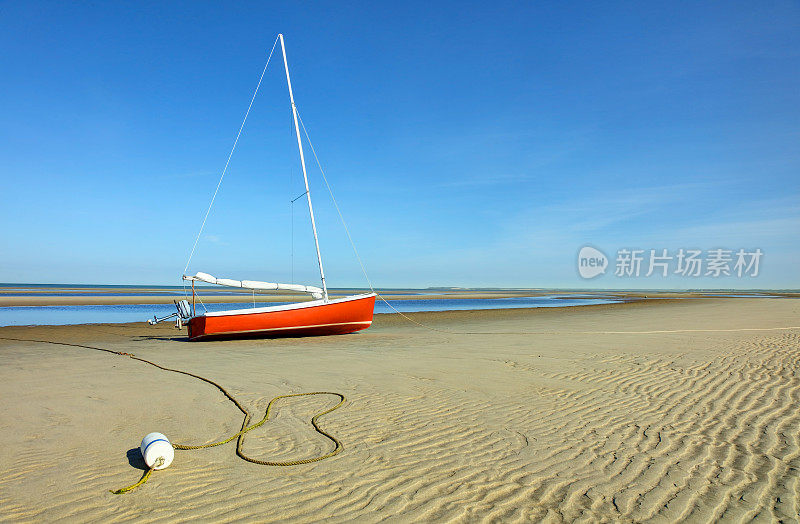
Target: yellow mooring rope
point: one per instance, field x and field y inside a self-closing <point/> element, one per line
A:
<point x="245" y="428"/>
<point x="158" y="462"/>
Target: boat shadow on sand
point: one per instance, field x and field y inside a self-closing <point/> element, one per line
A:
<point x="231" y="337"/>
<point x="163" y="338"/>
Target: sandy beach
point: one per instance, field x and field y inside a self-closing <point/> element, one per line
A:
<point x="555" y="416"/>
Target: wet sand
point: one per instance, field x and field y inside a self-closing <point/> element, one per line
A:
<point x="216" y="298"/>
<point x="49" y="296"/>
<point x="572" y="420"/>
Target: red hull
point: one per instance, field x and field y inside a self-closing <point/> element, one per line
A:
<point x="337" y="317"/>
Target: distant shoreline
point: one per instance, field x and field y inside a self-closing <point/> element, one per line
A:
<point x="66" y="295"/>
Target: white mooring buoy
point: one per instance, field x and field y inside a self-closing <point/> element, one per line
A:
<point x="155" y="446"/>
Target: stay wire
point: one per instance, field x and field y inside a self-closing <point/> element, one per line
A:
<point x="335" y="204"/>
<point x="652" y="332"/>
<point x="227" y="163"/>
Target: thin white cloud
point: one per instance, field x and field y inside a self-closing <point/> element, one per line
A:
<point x="538" y="245"/>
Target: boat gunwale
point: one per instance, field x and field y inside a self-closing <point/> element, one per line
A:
<point x="284" y="307"/>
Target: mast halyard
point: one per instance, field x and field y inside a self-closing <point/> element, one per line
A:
<point x="303" y="164"/>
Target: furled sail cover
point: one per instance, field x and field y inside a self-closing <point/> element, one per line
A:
<point x="255" y="284"/>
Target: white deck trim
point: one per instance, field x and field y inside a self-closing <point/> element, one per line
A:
<point x="288" y="328"/>
<point x="286" y="307"/>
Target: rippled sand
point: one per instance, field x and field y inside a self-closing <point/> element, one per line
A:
<point x="558" y="425"/>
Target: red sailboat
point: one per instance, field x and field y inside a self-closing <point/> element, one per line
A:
<point x="335" y="317"/>
<point x="319" y="316"/>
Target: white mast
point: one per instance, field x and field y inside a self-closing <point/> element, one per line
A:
<point x="305" y="176"/>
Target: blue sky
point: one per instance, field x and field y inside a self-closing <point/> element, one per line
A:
<point x="468" y="144"/>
